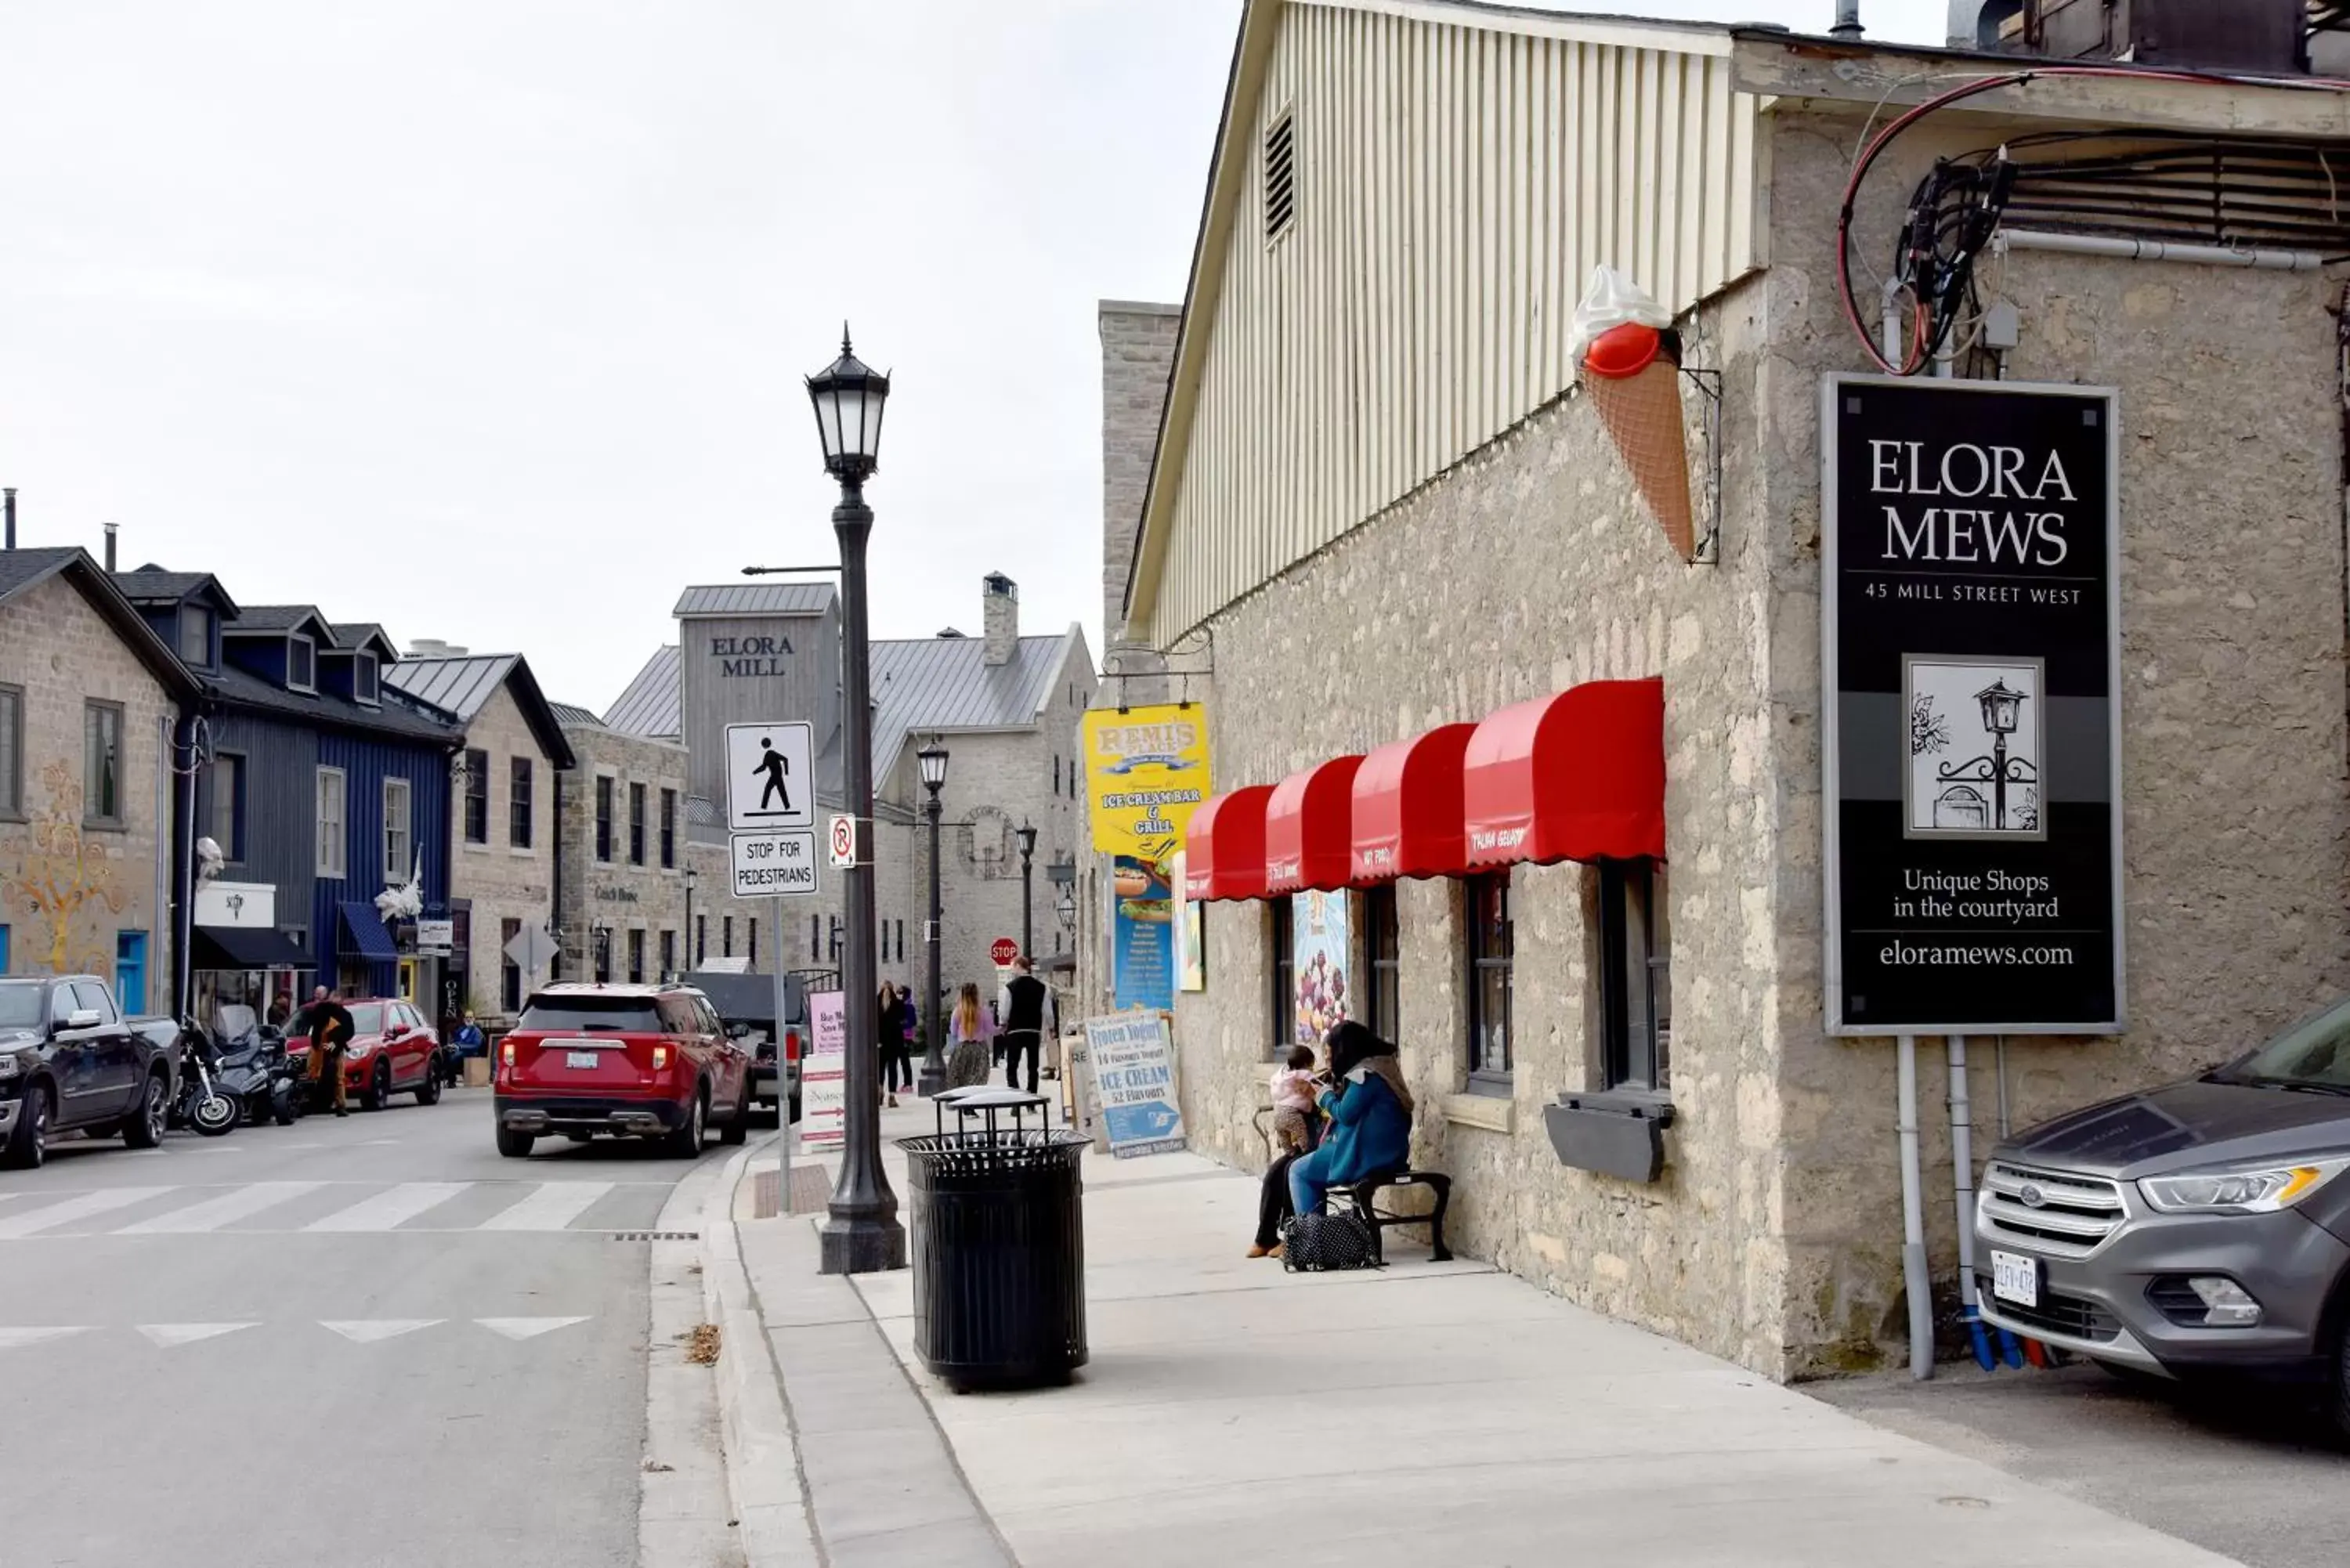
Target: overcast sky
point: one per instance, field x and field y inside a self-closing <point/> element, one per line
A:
<point x="485" y="319"/>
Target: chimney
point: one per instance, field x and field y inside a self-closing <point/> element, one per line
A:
<point x="999" y="605"/>
<point x="434" y="647"/>
<point x="1847" y="19"/>
<point x="10" y="506"/>
<point x="111" y="529"/>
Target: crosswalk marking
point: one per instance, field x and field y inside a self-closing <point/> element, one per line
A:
<point x="11" y="1339"/>
<point x="167" y="1334"/>
<point x="237" y="1203"/>
<point x="369" y="1330"/>
<point x="519" y="1328"/>
<point x="31" y="1222"/>
<point x="389" y="1207"/>
<point x="553" y="1206"/>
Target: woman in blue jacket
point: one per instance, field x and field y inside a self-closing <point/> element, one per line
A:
<point x="1370" y="1118"/>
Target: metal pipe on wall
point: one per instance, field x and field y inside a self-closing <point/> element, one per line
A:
<point x="2153" y="250"/>
<point x="1915" y="1281"/>
<point x="1963" y="1172"/>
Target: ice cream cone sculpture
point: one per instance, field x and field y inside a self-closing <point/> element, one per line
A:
<point x="1631" y="373"/>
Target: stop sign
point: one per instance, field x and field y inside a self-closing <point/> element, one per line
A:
<point x="1003" y="950"/>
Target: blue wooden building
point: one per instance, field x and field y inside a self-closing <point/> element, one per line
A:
<point x="322" y="786"/>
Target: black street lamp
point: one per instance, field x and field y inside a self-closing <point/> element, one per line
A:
<point x="693" y="959"/>
<point x="861" y="1234"/>
<point x="1027" y="924"/>
<point x="933" y="761"/>
<point x="2002" y="707"/>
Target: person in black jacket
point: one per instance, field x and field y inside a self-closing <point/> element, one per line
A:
<point x="1026" y="1001"/>
<point x="890" y="1037"/>
<point x="327" y="1023"/>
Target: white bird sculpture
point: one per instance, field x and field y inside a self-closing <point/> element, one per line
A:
<point x="403" y="900"/>
<point x="209" y="861"/>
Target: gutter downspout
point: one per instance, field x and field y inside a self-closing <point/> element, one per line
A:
<point x="184" y="845"/>
<point x="166" y="833"/>
<point x="1962" y="1171"/>
<point x="1916" y="1282"/>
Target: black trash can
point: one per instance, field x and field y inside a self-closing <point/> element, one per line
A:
<point x="999" y="1251"/>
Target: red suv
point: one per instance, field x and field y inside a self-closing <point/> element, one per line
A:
<point x="393" y="1051"/>
<point x="638" y="1061"/>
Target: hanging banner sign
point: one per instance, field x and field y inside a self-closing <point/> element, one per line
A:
<point x="1970" y="662"/>
<point x="1142" y="936"/>
<point x="1133" y="1064"/>
<point x="1146" y="774"/>
<point x="1318" y="957"/>
<point x="824" y="1075"/>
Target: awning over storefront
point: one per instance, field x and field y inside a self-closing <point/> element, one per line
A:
<point x="1576" y="776"/>
<point x="1407" y="808"/>
<point x="365" y="936"/>
<point x="1223" y="847"/>
<point x="1308" y="828"/>
<point x="245" y="947"/>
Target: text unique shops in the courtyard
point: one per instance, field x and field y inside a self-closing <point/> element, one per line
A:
<point x="1971" y="658"/>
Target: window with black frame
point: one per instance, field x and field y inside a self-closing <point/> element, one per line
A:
<point x="1490" y="945"/>
<point x="1383" y="947"/>
<point x="636" y="824"/>
<point x="477" y="797"/>
<point x="1636" y="977"/>
<point x="1284" y="971"/>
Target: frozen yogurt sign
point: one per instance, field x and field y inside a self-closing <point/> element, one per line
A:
<point x="1971" y="662"/>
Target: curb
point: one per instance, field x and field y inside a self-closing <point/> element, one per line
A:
<point x="762" y="1457"/>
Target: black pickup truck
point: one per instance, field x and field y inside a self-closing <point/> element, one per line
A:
<point x="70" y="1062"/>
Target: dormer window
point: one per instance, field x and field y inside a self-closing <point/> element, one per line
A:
<point x="364" y="680"/>
<point x="301" y="664"/>
<point x="195" y="637"/>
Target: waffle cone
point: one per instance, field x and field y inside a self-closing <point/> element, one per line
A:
<point x="1643" y="416"/>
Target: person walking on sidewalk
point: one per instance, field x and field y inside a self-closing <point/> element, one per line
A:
<point x="328" y="1024"/>
<point x="967" y="1029"/>
<point x="890" y="1036"/>
<point x="1026" y="1001"/>
<point x="1370" y="1118"/>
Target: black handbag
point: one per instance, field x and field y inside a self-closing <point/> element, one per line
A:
<point x="1312" y="1243"/>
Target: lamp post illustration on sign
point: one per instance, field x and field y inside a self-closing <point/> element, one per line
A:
<point x="1955" y="705"/>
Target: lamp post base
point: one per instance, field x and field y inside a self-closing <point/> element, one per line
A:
<point x="930" y="1081"/>
<point x="864" y="1244"/>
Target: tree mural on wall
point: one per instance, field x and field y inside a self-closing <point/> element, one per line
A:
<point x="59" y="872"/>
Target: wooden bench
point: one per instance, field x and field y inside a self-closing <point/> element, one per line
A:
<point x="1365" y="1194"/>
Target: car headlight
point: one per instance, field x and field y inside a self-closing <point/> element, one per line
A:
<point x="2256" y="1190"/>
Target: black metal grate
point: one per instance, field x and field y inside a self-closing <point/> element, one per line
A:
<point x="2057" y="1313"/>
<point x="1279" y="176"/>
<point x="654" y="1235"/>
<point x="2175" y="1299"/>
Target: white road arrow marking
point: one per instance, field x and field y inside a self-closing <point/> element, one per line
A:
<point x="368" y="1330"/>
<point x="526" y="1327"/>
<point x="167" y="1334"/>
<point x="12" y="1338"/>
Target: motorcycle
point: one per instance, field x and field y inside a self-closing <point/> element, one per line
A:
<point x="200" y="1102"/>
<point x="254" y="1069"/>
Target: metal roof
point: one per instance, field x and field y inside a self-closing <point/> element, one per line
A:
<point x="754" y="599"/>
<point x="571" y="716"/>
<point x="460" y="685"/>
<point x="652" y="703"/>
<point x="945" y="684"/>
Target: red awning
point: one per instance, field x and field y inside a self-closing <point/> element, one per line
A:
<point x="1408" y="820"/>
<point x="1308" y="828"/>
<point x="1578" y="776"/>
<point x="1223" y="846"/>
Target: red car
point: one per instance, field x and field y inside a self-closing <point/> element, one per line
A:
<point x="637" y="1061"/>
<point x="392" y="1052"/>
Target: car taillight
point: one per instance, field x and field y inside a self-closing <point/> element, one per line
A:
<point x="505" y="1053"/>
<point x="791" y="1044"/>
<point x="660" y="1058"/>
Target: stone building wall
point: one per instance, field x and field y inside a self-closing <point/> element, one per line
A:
<point x="1773" y="1237"/>
<point x="504" y="881"/>
<point x="1137" y="342"/>
<point x="626" y="897"/>
<point x="63" y="654"/>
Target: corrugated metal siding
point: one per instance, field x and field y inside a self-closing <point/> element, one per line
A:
<point x="651" y="705"/>
<point x="460" y="686"/>
<point x="1456" y="185"/>
<point x="365" y="764"/>
<point x="281" y="806"/>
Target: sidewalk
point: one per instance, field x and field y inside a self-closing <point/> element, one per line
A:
<point x="1234" y="1413"/>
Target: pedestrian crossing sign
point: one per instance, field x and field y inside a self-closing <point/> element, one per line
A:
<point x="770" y="775"/>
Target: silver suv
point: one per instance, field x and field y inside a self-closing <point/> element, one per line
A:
<point x="2199" y="1227"/>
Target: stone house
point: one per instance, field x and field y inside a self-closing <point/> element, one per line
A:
<point x="89" y="701"/>
<point x="625" y="893"/>
<point x="504" y="876"/>
<point x="1380" y="505"/>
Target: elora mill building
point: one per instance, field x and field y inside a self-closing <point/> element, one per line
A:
<point x="1571" y="784"/>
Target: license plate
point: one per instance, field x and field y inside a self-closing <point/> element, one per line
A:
<point x="582" y="1059"/>
<point x="2014" y="1277"/>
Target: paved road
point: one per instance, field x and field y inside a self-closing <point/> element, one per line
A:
<point x="361" y="1342"/>
<point x="2247" y="1473"/>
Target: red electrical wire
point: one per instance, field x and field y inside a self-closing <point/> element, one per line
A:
<point x="1914" y="359"/>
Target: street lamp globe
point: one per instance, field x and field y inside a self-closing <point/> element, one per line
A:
<point x="849" y="395"/>
<point x="1999" y="707"/>
<point x="933" y="761"/>
<point x="1027" y="836"/>
<point x="1067" y="907"/>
